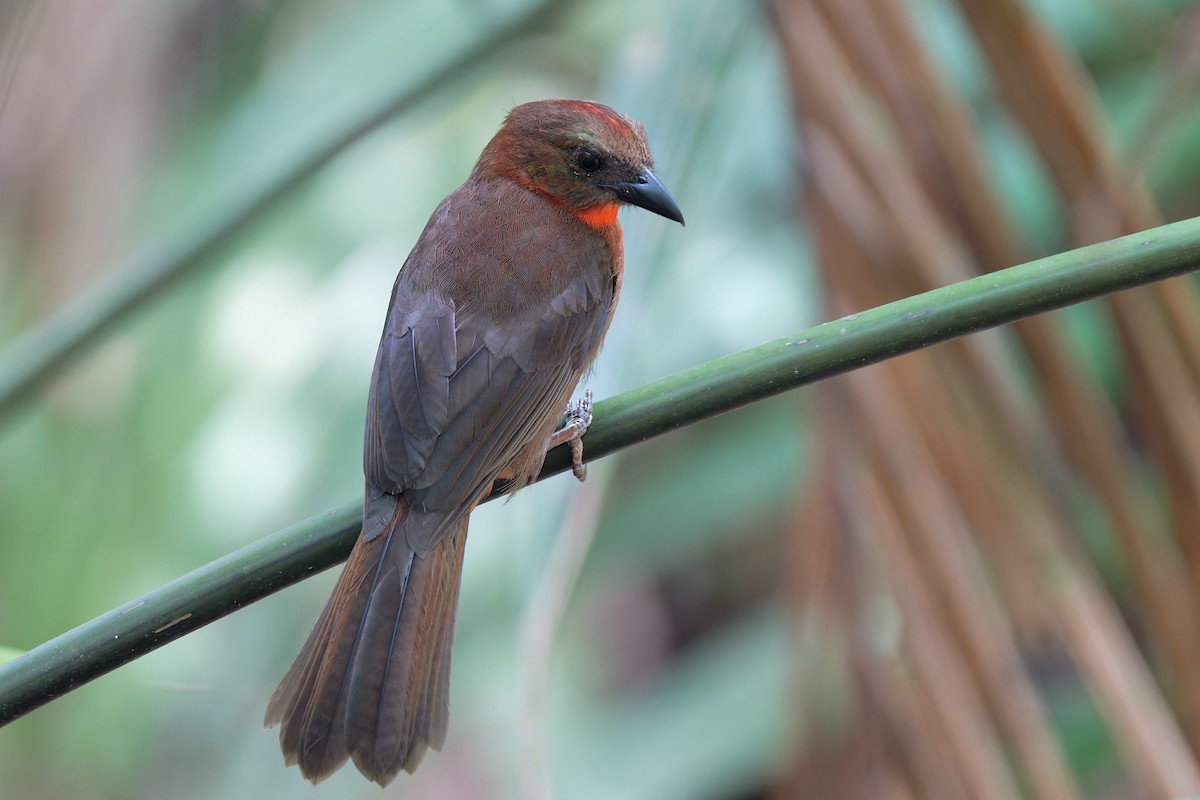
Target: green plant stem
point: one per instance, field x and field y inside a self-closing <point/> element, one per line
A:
<point x="694" y="394"/>
<point x="31" y="361"/>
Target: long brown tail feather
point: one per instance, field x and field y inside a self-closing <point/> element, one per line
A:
<point x="371" y="683"/>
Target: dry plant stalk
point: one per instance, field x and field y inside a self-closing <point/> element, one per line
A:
<point x="958" y="480"/>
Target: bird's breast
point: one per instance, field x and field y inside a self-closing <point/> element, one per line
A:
<point x="511" y="253"/>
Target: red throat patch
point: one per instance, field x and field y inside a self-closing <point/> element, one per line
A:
<point x="601" y="215"/>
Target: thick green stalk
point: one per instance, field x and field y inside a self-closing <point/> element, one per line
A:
<point x="832" y="348"/>
<point x="890" y="330"/>
<point x="36" y="357"/>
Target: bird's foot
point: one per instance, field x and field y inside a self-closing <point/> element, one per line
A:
<point x="578" y="418"/>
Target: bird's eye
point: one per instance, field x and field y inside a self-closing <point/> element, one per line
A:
<point x="588" y="161"/>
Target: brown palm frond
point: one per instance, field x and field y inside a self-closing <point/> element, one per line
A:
<point x="960" y="471"/>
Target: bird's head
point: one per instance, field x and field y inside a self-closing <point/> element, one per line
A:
<point x="582" y="156"/>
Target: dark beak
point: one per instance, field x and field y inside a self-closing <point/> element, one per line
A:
<point x="647" y="192"/>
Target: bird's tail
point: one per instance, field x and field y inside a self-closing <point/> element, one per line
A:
<point x="372" y="682"/>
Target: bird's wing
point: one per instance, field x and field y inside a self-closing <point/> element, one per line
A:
<point x="457" y="395"/>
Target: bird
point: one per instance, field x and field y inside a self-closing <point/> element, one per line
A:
<point x="494" y="317"/>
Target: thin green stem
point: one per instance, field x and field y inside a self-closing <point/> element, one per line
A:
<point x="686" y="397"/>
<point x="30" y="362"/>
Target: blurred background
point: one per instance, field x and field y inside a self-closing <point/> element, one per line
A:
<point x="972" y="572"/>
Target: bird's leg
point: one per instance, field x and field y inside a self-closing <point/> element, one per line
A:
<point x="579" y="417"/>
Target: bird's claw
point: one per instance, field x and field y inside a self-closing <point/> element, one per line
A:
<point x="578" y="418"/>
